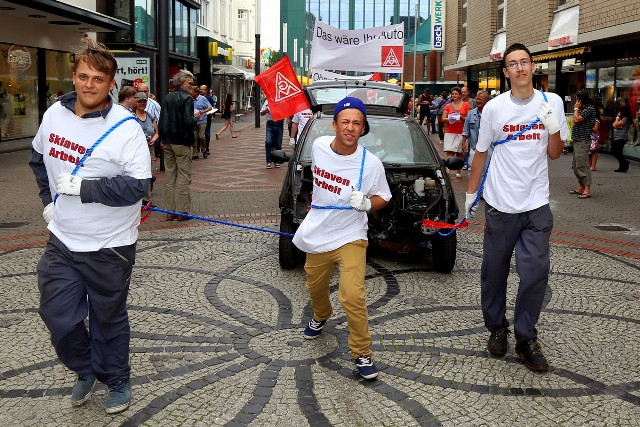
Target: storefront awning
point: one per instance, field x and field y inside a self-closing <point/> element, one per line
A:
<point x="64" y="15"/>
<point x="498" y="47"/>
<point x="559" y="54"/>
<point x="232" y="70"/>
<point x="564" y="29"/>
<point x="462" y="55"/>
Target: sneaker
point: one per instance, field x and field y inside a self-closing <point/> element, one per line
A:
<point x="498" y="344"/>
<point x="278" y="165"/>
<point x="465" y="167"/>
<point x="366" y="368"/>
<point x="119" y="397"/>
<point x="313" y="329"/>
<point x="268" y="165"/>
<point x="82" y="390"/>
<point x="458" y="175"/>
<point x="531" y="352"/>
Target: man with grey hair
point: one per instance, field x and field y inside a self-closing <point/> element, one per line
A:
<point x="177" y="120"/>
<point x="471" y="128"/>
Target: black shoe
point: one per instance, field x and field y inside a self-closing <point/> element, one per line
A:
<point x="498" y="344"/>
<point x="531" y="352"/>
<point x="204" y="155"/>
<point x="194" y="157"/>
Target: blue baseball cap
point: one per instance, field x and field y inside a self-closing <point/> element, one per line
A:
<point x="351" y="102"/>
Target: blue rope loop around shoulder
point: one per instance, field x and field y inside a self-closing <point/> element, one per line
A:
<point x="344" y="207"/>
<point x="511" y="138"/>
<point x="93" y="147"/>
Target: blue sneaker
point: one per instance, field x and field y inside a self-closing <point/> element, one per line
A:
<point x="82" y="390"/>
<point x="366" y="368"/>
<point x="313" y="329"/>
<point x="119" y="397"/>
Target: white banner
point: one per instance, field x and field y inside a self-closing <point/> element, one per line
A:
<point x="437" y="25"/>
<point x="319" y="75"/>
<point x="370" y="49"/>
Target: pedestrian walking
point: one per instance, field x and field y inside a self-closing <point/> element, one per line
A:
<point x="227" y="111"/>
<point x="516" y="195"/>
<point x="273" y="136"/>
<point x="584" y="119"/>
<point x="621" y="126"/>
<point x="202" y="105"/>
<point x="453" y="116"/>
<point x="204" y="91"/>
<point x="92" y="207"/>
<point x="177" y="120"/>
<point x="335" y="229"/>
<point x="471" y="127"/>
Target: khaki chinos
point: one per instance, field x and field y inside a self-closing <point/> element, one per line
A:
<point x="177" y="166"/>
<point x="351" y="259"/>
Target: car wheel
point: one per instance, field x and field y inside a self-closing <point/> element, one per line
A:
<point x="444" y="252"/>
<point x="288" y="254"/>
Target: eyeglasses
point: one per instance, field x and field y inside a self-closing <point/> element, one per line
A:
<point x="524" y="64"/>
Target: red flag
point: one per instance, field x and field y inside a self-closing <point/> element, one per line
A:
<point x="282" y="89"/>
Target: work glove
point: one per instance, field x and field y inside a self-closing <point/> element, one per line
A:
<point x="47" y="213"/>
<point x="360" y="202"/>
<point x="69" y="185"/>
<point x="469" y="208"/>
<point x="548" y="118"/>
<point x="292" y="142"/>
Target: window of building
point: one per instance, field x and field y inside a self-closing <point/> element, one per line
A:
<point x="203" y="13"/>
<point x="243" y="25"/>
<point x="193" y="29"/>
<point x="562" y="2"/>
<point x="145" y="22"/>
<point x="502" y="15"/>
<point x="463" y="20"/>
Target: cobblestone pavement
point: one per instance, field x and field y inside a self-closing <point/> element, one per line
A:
<point x="217" y="325"/>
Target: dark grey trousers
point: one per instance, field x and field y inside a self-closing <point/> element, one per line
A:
<point x="528" y="233"/>
<point x="76" y="284"/>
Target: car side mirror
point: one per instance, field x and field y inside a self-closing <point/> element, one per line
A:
<point x="454" y="163"/>
<point x="279" y="156"/>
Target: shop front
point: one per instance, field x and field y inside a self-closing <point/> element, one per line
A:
<point x="36" y="61"/>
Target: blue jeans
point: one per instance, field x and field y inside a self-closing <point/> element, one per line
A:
<point x="273" y="139"/>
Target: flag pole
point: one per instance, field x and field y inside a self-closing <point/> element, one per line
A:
<point x="415" y="50"/>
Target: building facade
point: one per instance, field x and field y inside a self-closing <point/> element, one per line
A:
<point x="35" y="67"/>
<point x="590" y="44"/>
<point x="298" y="18"/>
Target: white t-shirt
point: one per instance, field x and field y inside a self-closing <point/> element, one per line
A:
<point x="334" y="175"/>
<point x="62" y="139"/>
<point x="518" y="178"/>
<point x="301" y="118"/>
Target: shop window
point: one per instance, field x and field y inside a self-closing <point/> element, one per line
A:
<point x="59" y="66"/>
<point x="18" y="92"/>
<point x="628" y="86"/>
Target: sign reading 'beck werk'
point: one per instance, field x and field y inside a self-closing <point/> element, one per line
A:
<point x="370" y="49"/>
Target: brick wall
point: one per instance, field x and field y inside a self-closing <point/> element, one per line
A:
<point x="481" y="23"/>
<point x="601" y="14"/>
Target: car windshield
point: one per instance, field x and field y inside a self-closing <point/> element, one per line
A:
<point x="373" y="96"/>
<point x="392" y="140"/>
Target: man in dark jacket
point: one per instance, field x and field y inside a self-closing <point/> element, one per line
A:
<point x="177" y="120"/>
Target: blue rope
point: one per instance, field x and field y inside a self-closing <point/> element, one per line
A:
<point x="346" y="208"/>
<point x="217" y="221"/>
<point x="93" y="147"/>
<point x="486" y="170"/>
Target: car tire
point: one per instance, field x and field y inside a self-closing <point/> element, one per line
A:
<point x="443" y="252"/>
<point x="288" y="254"/>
